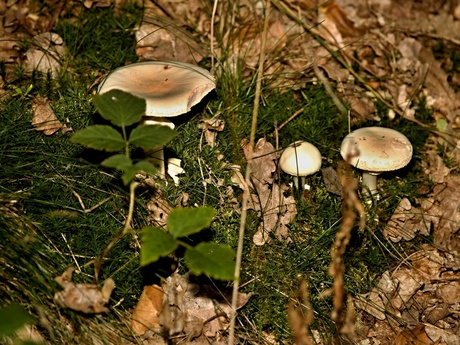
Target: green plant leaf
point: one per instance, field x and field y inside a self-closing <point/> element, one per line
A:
<point x="129" y="173"/>
<point x="12" y="317"/>
<point x="149" y="137"/>
<point x="141" y="166"/>
<point x="119" y="107"/>
<point x="146" y="167"/>
<point x="155" y="244"/>
<point x="99" y="137"/>
<point x="120" y="162"/>
<point x="187" y="221"/>
<point x="215" y="260"/>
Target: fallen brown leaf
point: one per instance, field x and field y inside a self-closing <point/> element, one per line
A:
<point x="268" y="200"/>
<point x="85" y="298"/>
<point x="44" y="119"/>
<point x="406" y="222"/>
<point x="146" y="314"/>
<point x="196" y="312"/>
<point x="45" y="53"/>
<point x="415" y="336"/>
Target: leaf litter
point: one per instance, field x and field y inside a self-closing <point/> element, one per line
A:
<point x="184" y="309"/>
<point x="393" y="52"/>
<point x="276" y="211"/>
<point x="85" y="298"/>
<point x="44" y="118"/>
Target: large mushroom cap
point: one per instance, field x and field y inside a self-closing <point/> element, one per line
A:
<point x="300" y="159"/>
<point x="170" y="88"/>
<point x="376" y="149"/>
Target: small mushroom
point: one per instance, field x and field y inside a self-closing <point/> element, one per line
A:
<point x="375" y="150"/>
<point x="170" y="89"/>
<point x="300" y="159"/>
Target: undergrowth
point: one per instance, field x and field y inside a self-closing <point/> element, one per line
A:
<point x="66" y="210"/>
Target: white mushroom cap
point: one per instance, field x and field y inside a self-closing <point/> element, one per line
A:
<point x="170" y="88"/>
<point x="376" y="149"/>
<point x="300" y="159"/>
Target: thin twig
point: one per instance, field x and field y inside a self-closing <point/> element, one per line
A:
<point x="213" y="19"/>
<point x="246" y="194"/>
<point x="292" y="117"/>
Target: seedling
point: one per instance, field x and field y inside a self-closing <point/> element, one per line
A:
<point x="124" y="111"/>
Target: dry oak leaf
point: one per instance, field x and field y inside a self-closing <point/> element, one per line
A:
<point x="275" y="209"/>
<point x="196" y="311"/>
<point x="444" y="212"/>
<point x="85" y="298"/>
<point x="146" y="314"/>
<point x="44" y="119"/>
<point x="405" y="222"/>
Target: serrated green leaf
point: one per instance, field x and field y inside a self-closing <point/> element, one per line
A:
<point x="215" y="260"/>
<point x="119" y="107"/>
<point x="99" y="137"/>
<point x="149" y="137"/>
<point x="155" y="244"/>
<point x="12" y="317"/>
<point x="186" y="221"/>
<point x="120" y="162"/>
<point x="129" y="174"/>
<point x="146" y="167"/>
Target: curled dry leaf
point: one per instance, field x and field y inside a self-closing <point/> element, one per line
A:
<point x="268" y="199"/>
<point x="442" y="210"/>
<point x="210" y="129"/>
<point x="44" y="119"/>
<point x="161" y="41"/>
<point x="146" y="314"/>
<point x="196" y="311"/>
<point x="159" y="208"/>
<point x="45" y="54"/>
<point x="85" y="298"/>
<point x="406" y="222"/>
<point x="423" y="290"/>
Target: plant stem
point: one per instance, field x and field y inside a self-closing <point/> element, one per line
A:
<point x="126" y="228"/>
<point x="246" y="194"/>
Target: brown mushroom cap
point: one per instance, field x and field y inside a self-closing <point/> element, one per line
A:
<point x="170" y="88"/>
<point x="376" y="149"/>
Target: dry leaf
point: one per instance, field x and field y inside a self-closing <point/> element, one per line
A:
<point x="146" y="314"/>
<point x="210" y="129"/>
<point x="405" y="222"/>
<point x="85" y="298"/>
<point x="415" y="336"/>
<point x="196" y="311"/>
<point x="275" y="209"/>
<point x="165" y="42"/>
<point x="444" y="213"/>
<point x="45" y="54"/>
<point x="159" y="208"/>
<point x="44" y="118"/>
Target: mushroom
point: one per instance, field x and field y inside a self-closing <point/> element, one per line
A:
<point x="170" y="89"/>
<point x="300" y="159"/>
<point x="375" y="150"/>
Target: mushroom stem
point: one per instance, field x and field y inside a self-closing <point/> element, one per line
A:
<point x="370" y="184"/>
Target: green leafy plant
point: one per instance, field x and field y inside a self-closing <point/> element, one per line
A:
<point x="124" y="111"/>
<point x="12" y="318"/>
